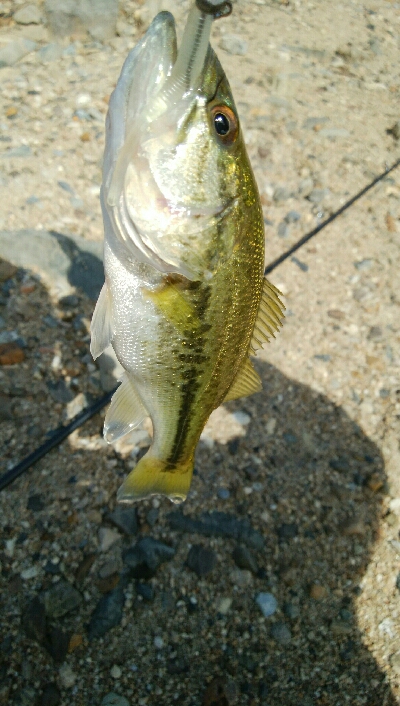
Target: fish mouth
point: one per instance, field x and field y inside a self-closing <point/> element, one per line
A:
<point x="130" y="188"/>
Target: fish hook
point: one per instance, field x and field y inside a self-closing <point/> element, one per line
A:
<point x="217" y="9"/>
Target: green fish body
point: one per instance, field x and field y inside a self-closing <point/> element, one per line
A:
<point x="185" y="300"/>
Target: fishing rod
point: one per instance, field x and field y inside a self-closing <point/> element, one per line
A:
<point x="63" y="431"/>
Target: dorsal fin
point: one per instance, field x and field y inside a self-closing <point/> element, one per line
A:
<point x="245" y="383"/>
<point x="269" y="317"/>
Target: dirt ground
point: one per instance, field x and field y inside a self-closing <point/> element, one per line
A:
<point x="313" y="464"/>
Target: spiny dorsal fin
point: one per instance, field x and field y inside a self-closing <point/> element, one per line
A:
<point x="269" y="317"/>
<point x="245" y="383"/>
<point x="100" y="328"/>
<point x="125" y="412"/>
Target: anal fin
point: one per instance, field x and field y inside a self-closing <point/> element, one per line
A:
<point x="269" y="317"/>
<point x="100" y="328"/>
<point x="245" y="383"/>
<point x="125" y="412"/>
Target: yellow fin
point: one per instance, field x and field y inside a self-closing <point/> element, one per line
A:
<point x="125" y="412"/>
<point x="269" y="317"/>
<point x="100" y="328"/>
<point x="245" y="383"/>
<point x="174" y="305"/>
<point x="152" y="476"/>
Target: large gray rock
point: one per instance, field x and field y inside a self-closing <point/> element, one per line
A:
<point x="98" y="17"/>
<point x="64" y="263"/>
<point x="15" y="50"/>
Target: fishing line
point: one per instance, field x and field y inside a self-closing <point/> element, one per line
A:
<point x="331" y="218"/>
<point x="61" y="433"/>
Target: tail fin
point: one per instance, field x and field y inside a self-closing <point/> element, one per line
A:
<point x="152" y="476"/>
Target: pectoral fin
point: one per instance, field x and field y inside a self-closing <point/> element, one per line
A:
<point x="174" y="305"/>
<point x="125" y="412"/>
<point x="100" y="328"/>
<point x="269" y="317"/>
<point x="245" y="383"/>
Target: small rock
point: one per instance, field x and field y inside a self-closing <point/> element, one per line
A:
<point x="375" y="333"/>
<point x="110" y="567"/>
<point x="292" y="217"/>
<point x="334" y="132"/>
<point x="336" y="314"/>
<point x="50" y="52"/>
<point x="244" y="559"/>
<point x="267" y="603"/>
<point x="178" y="665"/>
<point x="242" y="578"/>
<point x="395" y="130"/>
<point x="301" y="265"/>
<point x="76" y="406"/>
<point x="57" y="643"/>
<point x="30" y="573"/>
<point x="11" y="354"/>
<point x="24" y="697"/>
<point x="35" y="503"/>
<point x="84" y="567"/>
<point x="125" y="518"/>
<point x="107" y="537"/>
<point x="217" y="524"/>
<point x="224" y="605"/>
<point x="6" y="270"/>
<point x="318" y="195"/>
<point x="291" y="610"/>
<point x="20" y="151"/>
<point x="201" y="560"/>
<point x="107" y="614"/>
<point x="395" y="662"/>
<point x="116" y="671"/>
<point x="14" y="51"/>
<point x="281" y="633"/>
<point x="59" y="391"/>
<point x="233" y="44"/>
<point x="221" y="691"/>
<point x="283" y="230"/>
<point x="61" y="599"/>
<point x="305" y="186"/>
<point x="112" y="699"/>
<point x="33" y="620"/>
<point x="147" y="556"/>
<point x="340" y="464"/>
<point x="28" y="15"/>
<point x="67" y="676"/>
<point x="98" y="18"/>
<point x="51" y="695"/>
<point x="222" y="493"/>
<point x="317" y="592"/>
<point x="281" y="194"/>
<point x="287" y="531"/>
<point x="108" y="584"/>
<point x="145" y="590"/>
<point x="152" y="516"/>
<point x="158" y="642"/>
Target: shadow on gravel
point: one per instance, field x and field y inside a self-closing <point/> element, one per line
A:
<point x="323" y="482"/>
<point x="317" y="483"/>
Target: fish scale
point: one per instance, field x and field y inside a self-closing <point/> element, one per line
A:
<point x="185" y="299"/>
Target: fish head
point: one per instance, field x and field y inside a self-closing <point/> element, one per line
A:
<point x="178" y="172"/>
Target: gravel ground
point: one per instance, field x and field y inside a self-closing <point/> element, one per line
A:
<point x="292" y="594"/>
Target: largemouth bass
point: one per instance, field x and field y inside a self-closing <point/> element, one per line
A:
<point x="185" y="301"/>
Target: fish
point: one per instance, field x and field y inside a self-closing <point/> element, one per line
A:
<point x="185" y="302"/>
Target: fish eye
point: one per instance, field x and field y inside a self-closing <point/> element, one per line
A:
<point x="225" y="124"/>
